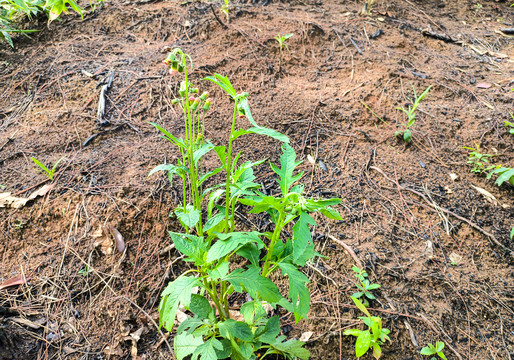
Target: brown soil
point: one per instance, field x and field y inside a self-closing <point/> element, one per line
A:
<point x="316" y="96"/>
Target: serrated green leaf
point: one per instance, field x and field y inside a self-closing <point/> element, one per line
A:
<point x="231" y="329"/>
<point x="270" y="331"/>
<point x="207" y="351"/>
<point x="288" y="164"/>
<point x="292" y="348"/>
<point x="298" y="291"/>
<point x="170" y="137"/>
<point x="224" y="83"/>
<point x="191" y="246"/>
<point x="209" y="174"/>
<point x="228" y="243"/>
<point x="189" y="325"/>
<point x="250" y="251"/>
<point x="301" y="234"/>
<point x="255" y="284"/>
<point x="268" y="132"/>
<point x="185" y="344"/>
<point x="188" y="217"/>
<point x="226" y="351"/>
<point x="200" y="306"/>
<point x="213" y="222"/>
<point x="177" y="292"/>
<point x="204" y="149"/>
<point x="262" y="204"/>
<point x="252" y="311"/>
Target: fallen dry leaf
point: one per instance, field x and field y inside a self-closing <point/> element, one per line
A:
<point x="103" y="241"/>
<point x="488" y="196"/>
<point x="306" y="336"/>
<point x="455" y="258"/>
<point x="42" y="191"/>
<point x="454" y="176"/>
<point x="7" y="200"/>
<point x="118" y="238"/>
<point x="483" y="85"/>
<point x="16" y="280"/>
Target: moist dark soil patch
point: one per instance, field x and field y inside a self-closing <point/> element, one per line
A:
<point x="335" y="94"/>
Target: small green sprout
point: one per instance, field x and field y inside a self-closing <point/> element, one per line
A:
<point x="46" y="171"/>
<point x="509" y="124"/>
<point x="373" y="337"/>
<point x="85" y="271"/>
<point x="411" y="115"/>
<point x="479" y="161"/>
<point x="434" y="350"/>
<point x="282" y="41"/>
<point x="365" y="286"/>
<point x="512" y="234"/>
<point x="225" y="8"/>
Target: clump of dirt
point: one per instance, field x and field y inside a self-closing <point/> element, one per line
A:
<point x="438" y="247"/>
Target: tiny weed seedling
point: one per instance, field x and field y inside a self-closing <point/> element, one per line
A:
<point x="478" y="7"/>
<point x="373" y="337"/>
<point x="85" y="271"/>
<point x="49" y="173"/>
<point x="367" y="7"/>
<point x="225" y="8"/>
<point x="282" y="41"/>
<point x="411" y="116"/>
<point x="430" y="350"/>
<point x="211" y="246"/>
<point x="479" y="161"/>
<point x="512" y="234"/>
<point x="365" y="286"/>
<point x="510" y="125"/>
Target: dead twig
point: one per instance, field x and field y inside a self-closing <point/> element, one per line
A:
<point x="348" y="249"/>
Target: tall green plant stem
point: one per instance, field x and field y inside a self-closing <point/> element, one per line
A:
<point x="274" y="238"/>
<point x="228" y="169"/>
<point x="191" y="149"/>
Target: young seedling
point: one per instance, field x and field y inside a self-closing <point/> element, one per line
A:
<point x="365" y="286"/>
<point x="411" y="115"/>
<point x="49" y="173"/>
<point x="479" y="161"/>
<point x="211" y="246"/>
<point x="509" y="124"/>
<point x="478" y="7"/>
<point x="430" y="350"/>
<point x="282" y="42"/>
<point x="85" y="271"/>
<point x="367" y="7"/>
<point x="225" y="8"/>
<point x="373" y="337"/>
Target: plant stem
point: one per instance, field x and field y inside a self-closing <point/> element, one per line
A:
<point x="274" y="238"/>
<point x="228" y="168"/>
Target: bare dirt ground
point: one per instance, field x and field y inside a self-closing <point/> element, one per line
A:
<point x="441" y="252"/>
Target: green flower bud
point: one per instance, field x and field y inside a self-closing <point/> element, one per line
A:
<point x="207" y="104"/>
<point x="204" y="96"/>
<point x="195" y="104"/>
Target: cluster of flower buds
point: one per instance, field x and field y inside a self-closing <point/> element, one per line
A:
<point x="194" y="101"/>
<point x="176" y="63"/>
